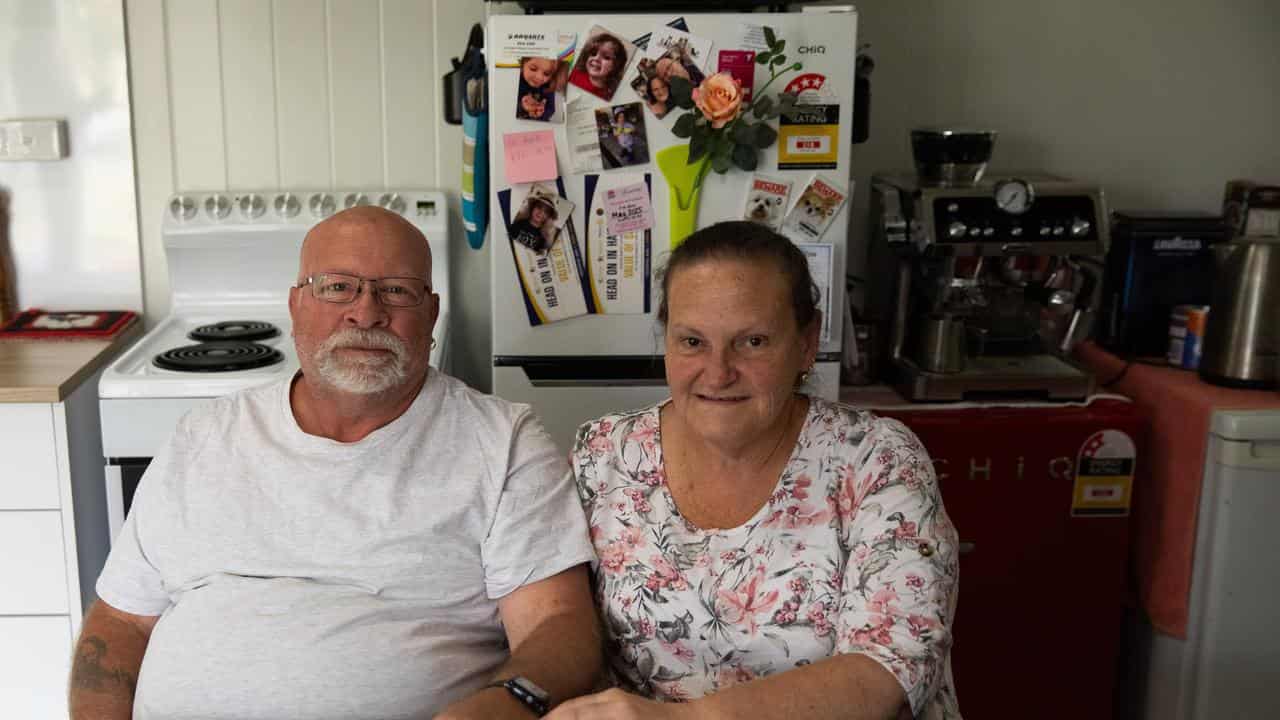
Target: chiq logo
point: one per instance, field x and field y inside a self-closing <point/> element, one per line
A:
<point x="813" y="49"/>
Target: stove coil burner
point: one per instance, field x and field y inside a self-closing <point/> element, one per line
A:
<point x="246" y="330"/>
<point x="218" y="357"/>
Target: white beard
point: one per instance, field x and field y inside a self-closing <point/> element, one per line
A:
<point x="364" y="375"/>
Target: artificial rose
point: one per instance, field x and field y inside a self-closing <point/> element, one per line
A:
<point x="719" y="97"/>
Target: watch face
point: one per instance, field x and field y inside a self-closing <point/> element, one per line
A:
<point x="1014" y="196"/>
<point x="531" y="687"/>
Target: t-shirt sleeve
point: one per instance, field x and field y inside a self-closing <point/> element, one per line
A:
<point x="539" y="529"/>
<point x="130" y="581"/>
<point x="899" y="587"/>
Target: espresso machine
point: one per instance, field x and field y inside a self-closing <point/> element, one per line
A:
<point x="982" y="285"/>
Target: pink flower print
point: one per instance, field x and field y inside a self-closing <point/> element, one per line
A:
<point x="800" y="490"/>
<point x="729" y="555"/>
<point x="905" y="530"/>
<point x="679" y="650"/>
<point x="741" y="604"/>
<point x="734" y="675"/>
<point x="797" y="516"/>
<point x="633" y="537"/>
<point x="798" y="584"/>
<point x="645" y="628"/>
<point x="915" y="581"/>
<point x="882" y="600"/>
<point x="638" y="500"/>
<point x="672" y="691"/>
<point x="599" y="444"/>
<point x="875" y="632"/>
<point x="784" y="617"/>
<point x="650" y="478"/>
<point x="861" y="553"/>
<point x="666" y="575"/>
<point x="615" y="556"/>
<point x="605" y="426"/>
<point x="920" y="625"/>
<point x="653" y="584"/>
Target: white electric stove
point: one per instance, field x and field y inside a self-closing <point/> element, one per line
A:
<point x="231" y="260"/>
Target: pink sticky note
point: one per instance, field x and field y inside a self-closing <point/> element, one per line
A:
<point x="530" y="156"/>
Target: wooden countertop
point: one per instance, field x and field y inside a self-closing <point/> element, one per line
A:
<point x="40" y="370"/>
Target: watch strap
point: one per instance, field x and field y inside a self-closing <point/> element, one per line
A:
<point x="524" y="690"/>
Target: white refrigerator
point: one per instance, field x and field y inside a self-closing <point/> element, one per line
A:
<point x="576" y="368"/>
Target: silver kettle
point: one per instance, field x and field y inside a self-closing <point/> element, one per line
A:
<point x="1242" y="337"/>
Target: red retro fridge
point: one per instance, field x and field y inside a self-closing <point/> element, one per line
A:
<point x="1041" y="498"/>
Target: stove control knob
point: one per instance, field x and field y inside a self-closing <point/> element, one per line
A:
<point x="182" y="208"/>
<point x="217" y="207"/>
<point x="956" y="230"/>
<point x="392" y="202"/>
<point x="287" y="205"/>
<point x="1080" y="227"/>
<point x="354" y="199"/>
<point x="322" y="205"/>
<point x="252" y="206"/>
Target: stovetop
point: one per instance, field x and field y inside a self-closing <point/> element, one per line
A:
<point x="136" y="374"/>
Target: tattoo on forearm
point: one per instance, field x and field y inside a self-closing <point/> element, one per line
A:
<point x="89" y="673"/>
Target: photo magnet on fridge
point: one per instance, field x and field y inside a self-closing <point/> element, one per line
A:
<point x="621" y="133"/>
<point x="601" y="62"/>
<point x="767" y="200"/>
<point x="816" y="206"/>
<point x="552" y="279"/>
<point x="540" y="89"/>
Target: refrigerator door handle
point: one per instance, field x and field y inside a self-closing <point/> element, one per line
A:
<point x="590" y="371"/>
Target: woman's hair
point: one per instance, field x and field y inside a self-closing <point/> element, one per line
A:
<point x="753" y="242"/>
<point x="620" y="59"/>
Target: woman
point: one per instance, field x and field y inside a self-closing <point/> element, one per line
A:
<point x="762" y="553"/>
<point x="659" y="94"/>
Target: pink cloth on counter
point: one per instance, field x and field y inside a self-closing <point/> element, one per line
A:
<point x="1181" y="407"/>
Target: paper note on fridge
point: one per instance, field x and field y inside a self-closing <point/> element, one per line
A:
<point x="530" y="156"/>
<point x="619" y="265"/>
<point x="551" y="276"/>
<point x="820" y="257"/>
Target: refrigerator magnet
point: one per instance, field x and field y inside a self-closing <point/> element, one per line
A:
<point x="601" y="62"/>
<point x="540" y="88"/>
<point x="511" y="47"/>
<point x="619" y="241"/>
<point x="545" y="249"/>
<point x="1104" y="475"/>
<point x="814" y="210"/>
<point x="809" y="135"/>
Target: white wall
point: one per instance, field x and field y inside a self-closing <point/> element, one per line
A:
<point x="73" y="231"/>
<point x="1158" y="101"/>
<point x="302" y="94"/>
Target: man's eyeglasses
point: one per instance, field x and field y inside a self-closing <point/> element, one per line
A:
<point x="341" y="289"/>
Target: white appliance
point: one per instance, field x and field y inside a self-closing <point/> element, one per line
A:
<point x="1229" y="663"/>
<point x="231" y="261"/>
<point x="576" y="369"/>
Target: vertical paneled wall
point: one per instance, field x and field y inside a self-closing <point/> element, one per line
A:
<point x="299" y="94"/>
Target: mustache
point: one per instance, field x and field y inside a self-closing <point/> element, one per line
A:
<point x="363" y="338"/>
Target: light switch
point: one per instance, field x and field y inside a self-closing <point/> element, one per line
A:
<point x="42" y="139"/>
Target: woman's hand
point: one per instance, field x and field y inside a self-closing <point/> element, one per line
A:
<point x="618" y="705"/>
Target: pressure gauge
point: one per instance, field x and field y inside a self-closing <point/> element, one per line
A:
<point x="1014" y="196"/>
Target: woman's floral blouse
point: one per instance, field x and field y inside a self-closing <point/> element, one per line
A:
<point x="853" y="553"/>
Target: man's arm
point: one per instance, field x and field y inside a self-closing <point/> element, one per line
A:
<point x="104" y="670"/>
<point x="554" y="635"/>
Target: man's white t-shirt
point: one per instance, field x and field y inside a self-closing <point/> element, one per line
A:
<point x="302" y="578"/>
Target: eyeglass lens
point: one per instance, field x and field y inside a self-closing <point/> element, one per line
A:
<point x="336" y="288"/>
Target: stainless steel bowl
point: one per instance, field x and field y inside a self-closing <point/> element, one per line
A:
<point x="951" y="157"/>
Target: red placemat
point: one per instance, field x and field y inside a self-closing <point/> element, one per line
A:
<point x="1181" y="407"/>
<point x="69" y="325"/>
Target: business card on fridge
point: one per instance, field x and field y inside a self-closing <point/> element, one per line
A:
<point x="516" y="44"/>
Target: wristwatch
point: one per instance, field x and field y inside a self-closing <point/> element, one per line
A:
<point x="527" y="692"/>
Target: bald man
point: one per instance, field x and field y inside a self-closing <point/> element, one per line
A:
<point x="367" y="539"/>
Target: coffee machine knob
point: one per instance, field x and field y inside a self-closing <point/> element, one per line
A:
<point x="956" y="230"/>
<point x="1080" y="227"/>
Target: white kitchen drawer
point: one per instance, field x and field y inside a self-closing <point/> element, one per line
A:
<point x="35" y="661"/>
<point x="30" y="478"/>
<point x="33" y="568"/>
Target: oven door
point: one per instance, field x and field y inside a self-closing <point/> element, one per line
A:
<point x="123" y="475"/>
